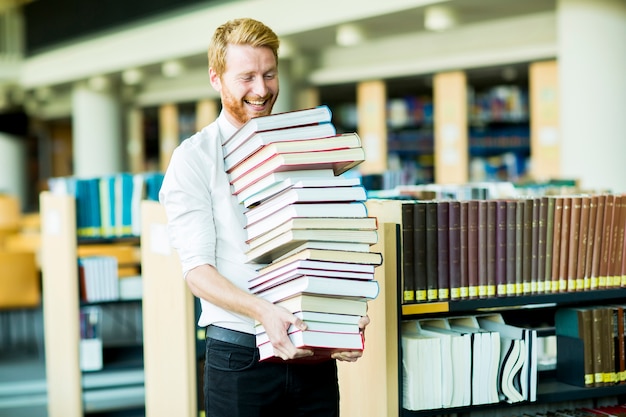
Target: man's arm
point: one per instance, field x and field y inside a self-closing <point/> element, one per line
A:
<point x="206" y="282"/>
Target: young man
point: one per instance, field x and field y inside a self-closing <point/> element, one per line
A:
<point x="206" y="226"/>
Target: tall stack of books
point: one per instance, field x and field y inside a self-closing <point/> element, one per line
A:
<point x="307" y="224"/>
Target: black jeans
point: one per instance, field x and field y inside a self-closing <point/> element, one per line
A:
<point x="236" y="384"/>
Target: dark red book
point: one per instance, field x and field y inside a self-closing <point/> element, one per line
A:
<point x="408" y="253"/>
<point x="565" y="236"/>
<point x="454" y="242"/>
<point x="527" y="247"/>
<point x="464" y="250"/>
<point x="519" y="247"/>
<point x="583" y="239"/>
<point x="501" y="247"/>
<point x="492" y="209"/>
<point x="534" y="249"/>
<point x="482" y="248"/>
<point x="617" y="240"/>
<point x="607" y="231"/>
<point x="443" y="256"/>
<point x="419" y="245"/>
<point x="549" y="203"/>
<point x="432" y="251"/>
<point x="472" y="248"/>
<point x="511" y="209"/>
<point x="574" y="233"/>
<point x="597" y="243"/>
<point x="591" y="227"/>
<point x="541" y="245"/>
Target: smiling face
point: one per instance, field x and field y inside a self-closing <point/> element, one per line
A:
<point x="249" y="84"/>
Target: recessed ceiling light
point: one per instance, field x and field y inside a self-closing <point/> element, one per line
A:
<point x="439" y="18"/>
<point x="349" y="34"/>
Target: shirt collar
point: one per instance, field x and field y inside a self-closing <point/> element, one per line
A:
<point x="226" y="128"/>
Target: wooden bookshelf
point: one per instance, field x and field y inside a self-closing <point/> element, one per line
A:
<point x="68" y="386"/>
<point x="365" y="398"/>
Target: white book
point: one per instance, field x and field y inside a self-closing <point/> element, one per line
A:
<point x="338" y="287"/>
<point x="311" y="339"/>
<point x="319" y="114"/>
<point x="276" y="188"/>
<point x="275" y="178"/>
<point x="309" y="210"/>
<point x="260" y="139"/>
<point x="305" y="195"/>
<point x="297" y="273"/>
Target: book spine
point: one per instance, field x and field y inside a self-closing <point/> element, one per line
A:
<point x="511" y="208"/>
<point x="597" y="243"/>
<point x="454" y="241"/>
<point x="492" y="210"/>
<point x="431" y="251"/>
<point x="501" y="248"/>
<point x="620" y="279"/>
<point x="536" y="285"/>
<point x="565" y="236"/>
<point x="585" y="203"/>
<point x="464" y="257"/>
<point x="590" y="234"/>
<point x="574" y="235"/>
<point x="472" y="248"/>
<point x="616" y="244"/>
<point x="420" y="247"/>
<point x="443" y="245"/>
<point x="527" y="247"/>
<point x="482" y="248"/>
<point x="519" y="246"/>
<point x="541" y="245"/>
<point x="596" y="331"/>
<point x="606" y="241"/>
<point x="408" y="282"/>
<point x="549" y="203"/>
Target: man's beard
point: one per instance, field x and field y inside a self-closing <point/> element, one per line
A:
<point x="241" y="111"/>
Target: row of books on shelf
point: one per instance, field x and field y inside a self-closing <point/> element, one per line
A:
<point x="102" y="279"/>
<point x="306" y="224"/>
<point x="590" y="342"/>
<point x="108" y="206"/>
<point x="463" y="249"/>
<point x="466" y="361"/>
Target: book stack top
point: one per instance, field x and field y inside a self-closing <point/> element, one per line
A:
<point x="307" y="225"/>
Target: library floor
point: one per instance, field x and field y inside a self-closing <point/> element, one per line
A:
<point x="22" y="386"/>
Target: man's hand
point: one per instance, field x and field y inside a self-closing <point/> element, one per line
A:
<point x="353" y="355"/>
<point x="276" y="323"/>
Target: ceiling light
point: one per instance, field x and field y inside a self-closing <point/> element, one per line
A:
<point x="349" y="34"/>
<point x="132" y="76"/>
<point x="172" y="68"/>
<point x="439" y="18"/>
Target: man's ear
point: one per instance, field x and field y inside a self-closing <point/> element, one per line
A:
<point x="215" y="80"/>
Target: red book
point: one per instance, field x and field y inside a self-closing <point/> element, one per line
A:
<point x="419" y="247"/>
<point x="565" y="236"/>
<point x="443" y="245"/>
<point x="511" y="209"/>
<point x="501" y="247"/>
<point x="482" y="248"/>
<point x="573" y="242"/>
<point x="591" y="227"/>
<point x="597" y="243"/>
<point x="454" y="242"/>
<point x="431" y="251"/>
<point x="472" y="248"/>
<point x="607" y="231"/>
<point x="556" y="242"/>
<point x="464" y="292"/>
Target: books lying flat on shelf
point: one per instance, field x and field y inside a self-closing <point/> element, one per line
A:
<point x="311" y="146"/>
<point x="340" y="161"/>
<point x="326" y="252"/>
<point x="265" y="251"/>
<point x="337" y="287"/>
<point x="260" y="139"/>
<point x="311" y="223"/>
<point x="324" y="322"/>
<point x="347" y="210"/>
<point x="317" y="340"/>
<point x="324" y="304"/>
<point x="315" y="115"/>
<point x="306" y="195"/>
<point x="313" y="265"/>
<point x="250" y="199"/>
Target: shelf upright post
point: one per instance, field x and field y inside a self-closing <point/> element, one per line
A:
<point x="450" y="115"/>
<point x="60" y="305"/>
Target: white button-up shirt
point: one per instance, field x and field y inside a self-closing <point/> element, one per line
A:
<point x="205" y="222"/>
